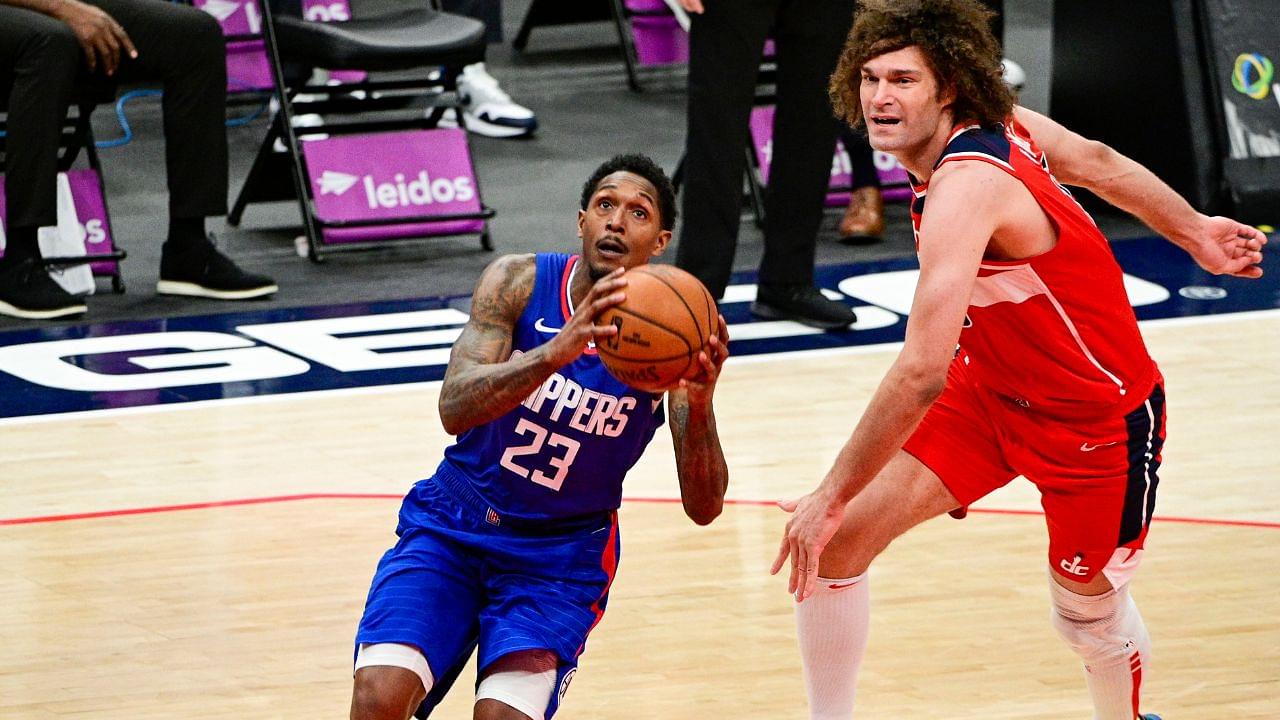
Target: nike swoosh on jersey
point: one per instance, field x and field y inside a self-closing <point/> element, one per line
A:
<point x="1086" y="447"/>
<point x="541" y="326"/>
<point x="841" y="586"/>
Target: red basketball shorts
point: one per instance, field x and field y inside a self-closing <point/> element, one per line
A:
<point x="1097" y="479"/>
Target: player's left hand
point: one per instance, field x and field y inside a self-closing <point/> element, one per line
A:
<point x="700" y="383"/>
<point x="814" y="521"/>
<point x="1226" y="247"/>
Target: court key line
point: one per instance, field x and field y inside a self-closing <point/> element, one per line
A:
<point x="154" y="509"/>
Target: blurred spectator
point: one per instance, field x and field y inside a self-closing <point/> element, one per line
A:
<point x="725" y="48"/>
<point x="489" y="111"/>
<point x="45" y="47"/>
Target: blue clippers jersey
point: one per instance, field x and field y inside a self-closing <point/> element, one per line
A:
<point x="564" y="451"/>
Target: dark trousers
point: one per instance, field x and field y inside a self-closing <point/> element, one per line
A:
<point x="178" y="46"/>
<point x="488" y="12"/>
<point x="726" y="44"/>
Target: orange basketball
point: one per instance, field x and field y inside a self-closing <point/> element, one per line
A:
<point x="662" y="326"/>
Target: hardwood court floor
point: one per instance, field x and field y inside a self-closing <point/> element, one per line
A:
<point x="247" y="610"/>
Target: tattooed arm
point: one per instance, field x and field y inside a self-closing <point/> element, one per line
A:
<point x="483" y="381"/>
<point x="704" y="476"/>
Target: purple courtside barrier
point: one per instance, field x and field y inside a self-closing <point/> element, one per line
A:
<point x="91" y="213"/>
<point x="247" y="65"/>
<point x="893" y="178"/>
<point x="657" y="34"/>
<point x="659" y="40"/>
<point x="393" y="175"/>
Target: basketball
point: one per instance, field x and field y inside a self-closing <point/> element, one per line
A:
<point x="662" y="326"/>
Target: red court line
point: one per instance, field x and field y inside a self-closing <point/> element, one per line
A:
<point x="151" y="510"/>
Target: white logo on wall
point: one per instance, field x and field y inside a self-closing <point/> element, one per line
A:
<point x="1245" y="141"/>
<point x="336" y="183"/>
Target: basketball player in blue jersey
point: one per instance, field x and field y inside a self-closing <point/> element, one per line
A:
<point x="512" y="545"/>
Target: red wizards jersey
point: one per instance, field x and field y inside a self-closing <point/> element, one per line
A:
<point x="1056" y="332"/>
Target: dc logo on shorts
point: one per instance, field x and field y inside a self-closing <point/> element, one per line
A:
<point x="564" y="684"/>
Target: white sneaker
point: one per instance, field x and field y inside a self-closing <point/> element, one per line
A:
<point x="1014" y="76"/>
<point x="488" y="110"/>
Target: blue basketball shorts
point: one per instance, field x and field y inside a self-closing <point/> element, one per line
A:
<point x="455" y="581"/>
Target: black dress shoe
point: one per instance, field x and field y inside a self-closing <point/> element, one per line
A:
<point x="27" y="292"/>
<point x="804" y="304"/>
<point x="202" y="271"/>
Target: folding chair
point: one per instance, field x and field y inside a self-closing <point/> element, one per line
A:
<point x="647" y="31"/>
<point x="389" y="174"/>
<point x="86" y="183"/>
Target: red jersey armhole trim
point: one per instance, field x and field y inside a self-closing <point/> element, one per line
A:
<point x="564" y="287"/>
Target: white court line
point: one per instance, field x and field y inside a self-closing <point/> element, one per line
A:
<point x="381" y="389"/>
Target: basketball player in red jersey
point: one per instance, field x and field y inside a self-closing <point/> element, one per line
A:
<point x="1050" y="378"/>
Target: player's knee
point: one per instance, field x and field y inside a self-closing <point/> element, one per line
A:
<point x="1101" y="629"/>
<point x="851" y="551"/>
<point x="844" y="561"/>
<point x="517" y="686"/>
<point x="490" y="709"/>
<point x="385" y="693"/>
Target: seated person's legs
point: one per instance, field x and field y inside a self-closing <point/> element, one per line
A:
<point x="39" y="60"/>
<point x="184" y="49"/>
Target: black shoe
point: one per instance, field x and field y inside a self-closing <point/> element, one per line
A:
<point x="202" y="271"/>
<point x="804" y="304"/>
<point x="27" y="291"/>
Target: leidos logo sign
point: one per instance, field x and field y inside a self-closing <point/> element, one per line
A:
<point x="335" y="183"/>
<point x="422" y="190"/>
<point x="419" y="191"/>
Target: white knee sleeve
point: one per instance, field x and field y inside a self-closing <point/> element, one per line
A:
<point x="1108" y="634"/>
<point x="1102" y="629"/>
<point x="528" y="692"/>
<point x="395" y="655"/>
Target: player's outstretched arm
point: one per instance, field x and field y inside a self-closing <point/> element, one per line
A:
<point x="484" y="381"/>
<point x="1218" y="244"/>
<point x="704" y="475"/>
<point x="966" y="200"/>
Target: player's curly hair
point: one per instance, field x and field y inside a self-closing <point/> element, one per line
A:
<point x="646" y="168"/>
<point x="956" y="40"/>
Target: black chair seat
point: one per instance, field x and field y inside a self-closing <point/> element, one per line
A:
<point x="406" y="39"/>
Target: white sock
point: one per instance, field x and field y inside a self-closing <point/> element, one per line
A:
<point x="832" y="627"/>
<point x="1107" y="632"/>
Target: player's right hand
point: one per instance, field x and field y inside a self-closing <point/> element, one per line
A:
<point x="814" y="521"/>
<point x="1226" y="247"/>
<point x="581" y="329"/>
<point x="100" y="36"/>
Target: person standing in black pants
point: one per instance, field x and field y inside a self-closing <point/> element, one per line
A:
<point x="46" y="48"/>
<point x="726" y="45"/>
